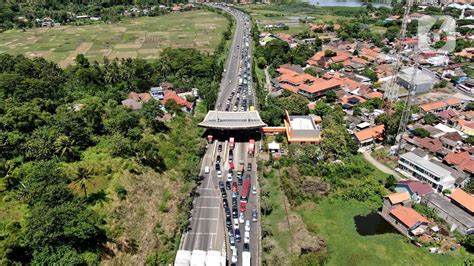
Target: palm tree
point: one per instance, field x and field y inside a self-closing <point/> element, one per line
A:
<point x="83" y="176"/>
<point x="64" y="146"/>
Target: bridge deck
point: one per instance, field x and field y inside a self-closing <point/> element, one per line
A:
<point x="232" y="120"/>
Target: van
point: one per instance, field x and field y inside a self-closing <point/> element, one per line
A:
<point x="206" y="170"/>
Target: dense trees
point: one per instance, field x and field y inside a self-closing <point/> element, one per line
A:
<point x="50" y="117"/>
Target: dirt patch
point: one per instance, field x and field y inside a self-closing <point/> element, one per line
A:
<point x="202" y="43"/>
<point x="81" y="49"/>
<point x="303" y="241"/>
<point x="44" y="54"/>
<point x="118" y="29"/>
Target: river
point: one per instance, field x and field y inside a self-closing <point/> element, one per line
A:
<point x="348" y="3"/>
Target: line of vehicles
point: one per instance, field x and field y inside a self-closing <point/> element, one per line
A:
<point x="241" y="99"/>
<point x="236" y="189"/>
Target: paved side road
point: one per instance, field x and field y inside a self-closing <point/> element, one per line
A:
<point x="380" y="166"/>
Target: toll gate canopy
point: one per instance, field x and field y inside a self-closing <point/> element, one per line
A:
<point x="232" y="120"/>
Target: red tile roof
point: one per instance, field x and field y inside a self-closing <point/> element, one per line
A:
<point x="321" y="85"/>
<point x="417" y="187"/>
<point x="454" y="101"/>
<point x="463" y="199"/>
<point x="462" y="160"/>
<point x="346" y="98"/>
<point x="373" y="132"/>
<point x="289" y="87"/>
<point x="448" y="114"/>
<point x="139" y="97"/>
<point x="169" y="94"/>
<point x="374" y="94"/>
<point x="430" y="144"/>
<point x="433" y="106"/>
<point x="408" y="216"/>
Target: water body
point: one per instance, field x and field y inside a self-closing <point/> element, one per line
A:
<point x="349" y="3"/>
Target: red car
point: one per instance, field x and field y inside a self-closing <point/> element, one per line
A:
<point x="231" y="165"/>
<point x="234" y="187"/>
<point x="243" y="206"/>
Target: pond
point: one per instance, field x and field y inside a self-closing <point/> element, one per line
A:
<point x="349" y="3"/>
<point x="372" y="224"/>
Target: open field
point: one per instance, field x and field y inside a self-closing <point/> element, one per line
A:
<point x="335" y="222"/>
<point x="143" y="37"/>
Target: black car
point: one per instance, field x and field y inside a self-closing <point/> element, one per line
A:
<point x="219" y="148"/>
<point x="235" y="212"/>
<point x="225" y="203"/>
<point x="227" y="212"/>
<point x="231" y="155"/>
<point x="218" y="167"/>
<point x="249" y="167"/>
<point x="224" y="194"/>
<point x="228" y="221"/>
<point x="228" y="185"/>
<point x="218" y="159"/>
<point x="246" y="247"/>
<point x="221" y="184"/>
<point x="234" y="202"/>
<point x="239" y="180"/>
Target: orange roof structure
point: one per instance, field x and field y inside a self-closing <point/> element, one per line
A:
<point x="398" y="197"/>
<point x="370" y="133"/>
<point x="454" y="101"/>
<point x="427" y="107"/>
<point x="171" y="95"/>
<point x="374" y="94"/>
<point x="463" y="198"/>
<point x="369" y="53"/>
<point x="321" y="85"/>
<point x="346" y="98"/>
<point x="408" y="216"/>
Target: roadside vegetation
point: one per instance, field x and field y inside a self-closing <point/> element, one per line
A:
<point x="85" y="180"/>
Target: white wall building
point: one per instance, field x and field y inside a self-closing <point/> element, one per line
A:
<point x="422" y="169"/>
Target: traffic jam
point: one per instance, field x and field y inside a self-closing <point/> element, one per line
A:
<point x="241" y="99"/>
<point x="236" y="188"/>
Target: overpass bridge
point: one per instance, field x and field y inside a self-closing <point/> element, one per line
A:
<point x="232" y="120"/>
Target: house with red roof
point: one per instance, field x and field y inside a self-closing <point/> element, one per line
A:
<point x="460" y="160"/>
<point x="417" y="189"/>
<point x="463" y="200"/>
<point x="171" y="95"/>
<point x="370" y="135"/>
<point x="398" y="212"/>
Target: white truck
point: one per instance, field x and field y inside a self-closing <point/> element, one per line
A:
<point x="246" y="258"/>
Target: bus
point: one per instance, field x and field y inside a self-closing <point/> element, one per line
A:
<point x="244" y="196"/>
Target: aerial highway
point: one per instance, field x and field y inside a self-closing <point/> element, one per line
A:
<point x="210" y="239"/>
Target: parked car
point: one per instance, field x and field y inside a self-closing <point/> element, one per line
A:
<point x="219" y="148"/>
<point x="254" y="215"/>
<point x="254" y="190"/>
<point x="221" y="184"/>
<point x="229" y="177"/>
<point x="218" y="159"/>
<point x="246" y="247"/>
<point x="207" y="170"/>
<point x="236" y="224"/>
<point x="249" y="167"/>
<point x="225" y="203"/>
<point x="227" y="185"/>
<point x="239" y="180"/>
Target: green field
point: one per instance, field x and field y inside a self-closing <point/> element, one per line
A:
<point x="143" y="37"/>
<point x="334" y="221"/>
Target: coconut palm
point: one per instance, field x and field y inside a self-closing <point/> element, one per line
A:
<point x="83" y="177"/>
<point x="65" y="147"/>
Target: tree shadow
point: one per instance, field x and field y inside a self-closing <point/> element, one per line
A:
<point x="372" y="224"/>
<point x="96" y="197"/>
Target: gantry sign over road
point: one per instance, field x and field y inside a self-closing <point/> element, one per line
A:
<point x="232" y="120"/>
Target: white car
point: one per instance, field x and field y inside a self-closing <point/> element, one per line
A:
<point x="236" y="223"/>
<point x="247" y="237"/>
<point x="234" y="255"/>
<point x="241" y="218"/>
<point x="229" y="177"/>
<point x="219" y="173"/>
<point x="207" y="169"/>
<point x="247" y="225"/>
<point x="254" y="190"/>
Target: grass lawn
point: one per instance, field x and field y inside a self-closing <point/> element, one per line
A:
<point x="334" y="221"/>
<point x="143" y="37"/>
<point x="277" y="219"/>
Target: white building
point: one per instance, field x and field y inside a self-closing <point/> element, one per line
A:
<point x="421" y="168"/>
